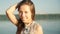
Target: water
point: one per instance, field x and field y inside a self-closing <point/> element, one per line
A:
<point x="7" y="28"/>
<point x="50" y="26"/>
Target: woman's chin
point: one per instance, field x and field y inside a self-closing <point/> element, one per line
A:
<point x="25" y="22"/>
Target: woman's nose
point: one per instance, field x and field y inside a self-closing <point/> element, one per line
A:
<point x="23" y="14"/>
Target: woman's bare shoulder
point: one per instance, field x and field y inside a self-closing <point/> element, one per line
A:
<point x="37" y="25"/>
<point x="38" y="28"/>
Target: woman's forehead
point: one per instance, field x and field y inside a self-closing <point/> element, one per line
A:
<point x="25" y="7"/>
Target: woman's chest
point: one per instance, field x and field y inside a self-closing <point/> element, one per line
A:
<point x="30" y="30"/>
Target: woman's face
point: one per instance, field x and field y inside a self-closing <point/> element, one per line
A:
<point x="25" y="14"/>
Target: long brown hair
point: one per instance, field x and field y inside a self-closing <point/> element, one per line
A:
<point x="30" y="3"/>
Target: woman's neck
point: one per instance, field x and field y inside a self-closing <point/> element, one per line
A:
<point x="28" y="24"/>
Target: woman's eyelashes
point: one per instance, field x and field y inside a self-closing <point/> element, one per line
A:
<point x="23" y="12"/>
<point x="26" y="12"/>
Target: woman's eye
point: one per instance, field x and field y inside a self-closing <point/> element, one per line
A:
<point x="25" y="11"/>
<point x="20" y="12"/>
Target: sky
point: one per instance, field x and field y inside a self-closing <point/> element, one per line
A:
<point x="41" y="6"/>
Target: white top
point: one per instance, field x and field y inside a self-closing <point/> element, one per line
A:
<point x="29" y="30"/>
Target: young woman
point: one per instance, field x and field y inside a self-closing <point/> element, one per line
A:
<point x="25" y="24"/>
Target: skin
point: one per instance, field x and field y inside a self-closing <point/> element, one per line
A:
<point x="10" y="15"/>
<point x="24" y="14"/>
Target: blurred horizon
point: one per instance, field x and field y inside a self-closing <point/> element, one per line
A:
<point x="37" y="17"/>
